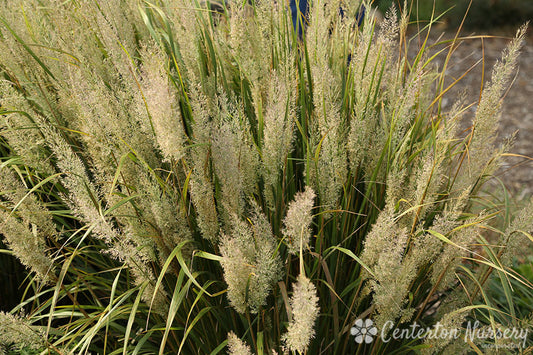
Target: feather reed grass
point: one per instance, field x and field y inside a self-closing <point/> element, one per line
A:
<point x="168" y="170"/>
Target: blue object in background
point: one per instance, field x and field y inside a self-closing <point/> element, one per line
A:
<point x="300" y="13"/>
<point x="361" y="15"/>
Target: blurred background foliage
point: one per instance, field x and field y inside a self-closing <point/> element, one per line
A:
<point x="483" y="14"/>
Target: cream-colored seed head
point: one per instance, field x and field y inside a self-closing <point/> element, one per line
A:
<point x="305" y="311"/>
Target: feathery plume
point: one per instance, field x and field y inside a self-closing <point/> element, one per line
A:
<point x="331" y="166"/>
<point x="161" y="104"/>
<point x="384" y="233"/>
<point x="236" y="262"/>
<point x="27" y="245"/>
<point x="201" y="190"/>
<point x="368" y="136"/>
<point x="517" y="233"/>
<point x="29" y="145"/>
<point x="29" y="207"/>
<point x="393" y="275"/>
<point x="451" y="320"/>
<point x="18" y="331"/>
<point x="251" y="265"/>
<point x="447" y="262"/>
<point x="384" y="253"/>
<point x="278" y="130"/>
<point x="27" y="228"/>
<point x="237" y="346"/>
<point x="486" y="121"/>
<point x="247" y="42"/>
<point x="305" y="311"/>
<point x="234" y="156"/>
<point x="328" y="171"/>
<point x="168" y="218"/>
<point x="297" y="230"/>
<point x="201" y="183"/>
<point x="187" y="29"/>
<point x="125" y="251"/>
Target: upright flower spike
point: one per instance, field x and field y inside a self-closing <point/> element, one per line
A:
<point x="278" y="133"/>
<point x="237" y="346"/>
<point x="305" y="310"/>
<point x="17" y="333"/>
<point x="297" y="223"/>
<point x="251" y="265"/>
<point x="161" y="104"/>
<point x="517" y="233"/>
<point x="481" y="150"/>
<point x="26" y="228"/>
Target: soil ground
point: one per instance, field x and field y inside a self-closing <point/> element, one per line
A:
<point x="517" y="111"/>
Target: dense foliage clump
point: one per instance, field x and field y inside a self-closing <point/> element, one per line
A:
<point x="179" y="180"/>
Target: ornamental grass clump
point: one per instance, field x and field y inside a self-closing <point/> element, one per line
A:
<point x="179" y="180"/>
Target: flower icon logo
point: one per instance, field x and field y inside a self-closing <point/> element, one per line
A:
<point x="363" y="331"/>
